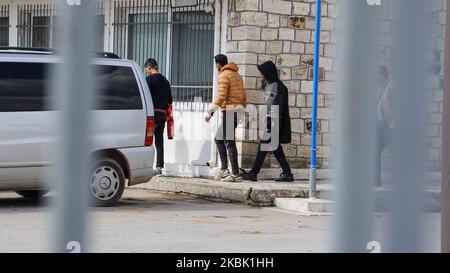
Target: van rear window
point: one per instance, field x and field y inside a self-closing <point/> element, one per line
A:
<point x="117" y="88"/>
<point x="25" y="87"/>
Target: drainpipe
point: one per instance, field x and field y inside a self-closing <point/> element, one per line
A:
<point x="313" y="168"/>
<point x="13" y="33"/>
<point x="220" y="46"/>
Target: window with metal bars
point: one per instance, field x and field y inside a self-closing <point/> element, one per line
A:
<point x="180" y="39"/>
<point x="4" y="25"/>
<point x="39" y="26"/>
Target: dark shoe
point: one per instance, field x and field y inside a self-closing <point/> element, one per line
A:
<point x="158" y="172"/>
<point x="250" y="176"/>
<point x="285" y="177"/>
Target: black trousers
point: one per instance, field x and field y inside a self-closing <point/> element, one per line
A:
<point x="226" y="141"/>
<point x="160" y="125"/>
<point x="279" y="155"/>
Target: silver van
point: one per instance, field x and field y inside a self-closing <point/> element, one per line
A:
<point x="121" y="137"/>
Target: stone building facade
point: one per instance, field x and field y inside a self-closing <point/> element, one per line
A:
<point x="435" y="78"/>
<point x="436" y="83"/>
<point x="283" y="31"/>
<point x="249" y="32"/>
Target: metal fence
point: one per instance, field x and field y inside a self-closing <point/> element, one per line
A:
<point x="39" y="25"/>
<point x="180" y="39"/>
<point x="4" y="25"/>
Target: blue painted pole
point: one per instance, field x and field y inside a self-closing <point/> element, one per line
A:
<point x="313" y="168"/>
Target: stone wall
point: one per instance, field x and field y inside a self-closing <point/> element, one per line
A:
<point x="283" y="31"/>
<point x="436" y="72"/>
<point x="436" y="83"/>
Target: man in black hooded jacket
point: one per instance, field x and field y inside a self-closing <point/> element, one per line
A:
<point x="276" y="94"/>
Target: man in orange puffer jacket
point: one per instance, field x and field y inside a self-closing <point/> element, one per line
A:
<point x="231" y="99"/>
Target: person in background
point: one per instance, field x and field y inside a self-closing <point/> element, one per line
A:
<point x="276" y="96"/>
<point x="162" y="103"/>
<point x="231" y="99"/>
<point x="384" y="119"/>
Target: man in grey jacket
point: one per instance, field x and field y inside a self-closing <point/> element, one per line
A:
<point x="384" y="119"/>
<point x="278" y="125"/>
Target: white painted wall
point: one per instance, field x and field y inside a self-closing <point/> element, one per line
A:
<point x="188" y="153"/>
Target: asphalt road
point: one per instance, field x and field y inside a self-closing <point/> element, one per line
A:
<point x="146" y="221"/>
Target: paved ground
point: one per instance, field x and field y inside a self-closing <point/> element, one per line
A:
<point x="264" y="192"/>
<point x="152" y="222"/>
<point x="261" y="193"/>
<point x="146" y="221"/>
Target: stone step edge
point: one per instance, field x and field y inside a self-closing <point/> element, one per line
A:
<point x="225" y="192"/>
<point x="264" y="197"/>
<point x="310" y="207"/>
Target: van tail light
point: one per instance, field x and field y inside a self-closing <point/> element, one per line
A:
<point x="150" y="129"/>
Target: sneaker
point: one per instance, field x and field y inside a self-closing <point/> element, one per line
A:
<point x="250" y="176"/>
<point x="222" y="174"/>
<point x="285" y="177"/>
<point x="158" y="172"/>
<point x="232" y="178"/>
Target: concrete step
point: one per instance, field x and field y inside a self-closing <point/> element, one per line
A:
<point x="431" y="197"/>
<point x="264" y="193"/>
<point x="261" y="193"/>
<point x="317" y="207"/>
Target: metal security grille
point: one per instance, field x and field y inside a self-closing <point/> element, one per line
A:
<point x="39" y="26"/>
<point x="180" y="39"/>
<point x="4" y="25"/>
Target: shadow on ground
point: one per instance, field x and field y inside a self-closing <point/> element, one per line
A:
<point x="133" y="199"/>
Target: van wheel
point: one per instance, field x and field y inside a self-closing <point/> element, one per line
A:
<point x="107" y="183"/>
<point x="30" y="194"/>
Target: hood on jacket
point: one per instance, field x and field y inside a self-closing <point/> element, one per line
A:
<point x="269" y="71"/>
<point x="231" y="66"/>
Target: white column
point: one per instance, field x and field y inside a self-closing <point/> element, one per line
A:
<point x="169" y="47"/>
<point x="13" y="13"/>
<point x="219" y="45"/>
<point x="224" y="27"/>
<point x="108" y="10"/>
<point x="217" y="40"/>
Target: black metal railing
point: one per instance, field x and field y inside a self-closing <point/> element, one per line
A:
<point x="180" y="39"/>
<point x="39" y="26"/>
<point x="4" y="25"/>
